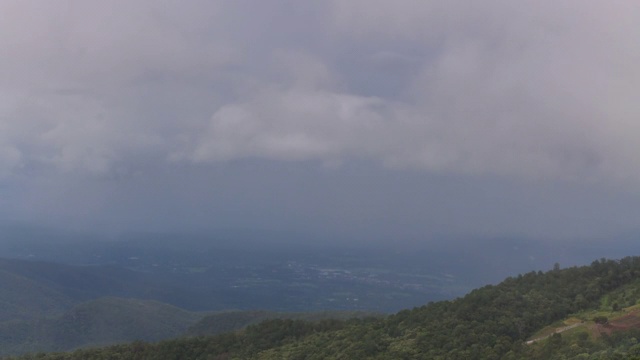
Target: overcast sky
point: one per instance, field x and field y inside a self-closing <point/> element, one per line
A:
<point x="365" y="119"/>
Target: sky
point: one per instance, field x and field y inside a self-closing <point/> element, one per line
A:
<point x="361" y="120"/>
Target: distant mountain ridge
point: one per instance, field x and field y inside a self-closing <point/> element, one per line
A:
<point x="46" y="305"/>
<point x="23" y="298"/>
<point x="53" y="307"/>
<point x="103" y="321"/>
<point x="600" y="301"/>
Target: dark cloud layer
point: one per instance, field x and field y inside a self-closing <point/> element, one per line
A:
<point x="120" y="109"/>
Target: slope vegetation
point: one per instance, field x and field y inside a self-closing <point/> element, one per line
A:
<point x="235" y="320"/>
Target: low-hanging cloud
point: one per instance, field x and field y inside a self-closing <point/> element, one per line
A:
<point x="535" y="88"/>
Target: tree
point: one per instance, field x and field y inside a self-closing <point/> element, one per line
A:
<point x="601" y="319"/>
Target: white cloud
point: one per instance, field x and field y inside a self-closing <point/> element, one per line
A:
<point x="528" y="89"/>
<point x="520" y="88"/>
<point x="292" y="124"/>
<point x="83" y="81"/>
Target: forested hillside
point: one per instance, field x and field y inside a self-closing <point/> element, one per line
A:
<point x="493" y="322"/>
<point x="235" y="320"/>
